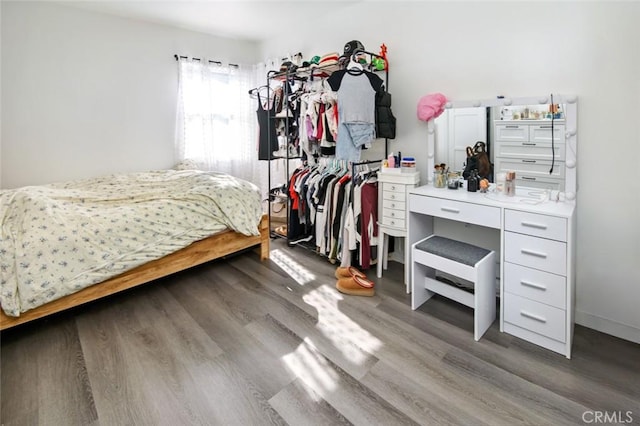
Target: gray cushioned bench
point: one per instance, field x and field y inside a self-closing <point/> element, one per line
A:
<point x="460" y="259"/>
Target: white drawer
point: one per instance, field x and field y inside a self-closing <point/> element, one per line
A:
<point x="455" y="210"/>
<point x="530" y="167"/>
<point x="529" y="150"/>
<point x="534" y="252"/>
<point x="395" y="214"/>
<point x="539" y="225"/>
<point x="549" y="184"/>
<point x="393" y="204"/>
<point x="393" y="187"/>
<point x="394" y="196"/>
<point x="393" y="221"/>
<point x="512" y="132"/>
<point x="534" y="316"/>
<point x="536" y="285"/>
<point x="542" y="133"/>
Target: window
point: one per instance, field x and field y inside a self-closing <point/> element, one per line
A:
<point x="216" y="123"/>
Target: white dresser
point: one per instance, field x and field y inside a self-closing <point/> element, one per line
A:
<point x="393" y="190"/>
<point x="537" y="255"/>
<point x="525" y="146"/>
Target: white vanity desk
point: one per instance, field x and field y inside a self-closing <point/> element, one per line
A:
<point x="536" y="239"/>
<point x="537" y="256"/>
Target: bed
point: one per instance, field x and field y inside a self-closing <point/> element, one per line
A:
<point x="65" y="244"/>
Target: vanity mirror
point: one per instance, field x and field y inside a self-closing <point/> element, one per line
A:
<point x="535" y="136"/>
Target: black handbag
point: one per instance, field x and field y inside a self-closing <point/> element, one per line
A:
<point x="477" y="159"/>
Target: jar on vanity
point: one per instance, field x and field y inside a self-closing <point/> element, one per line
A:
<point x="532" y="112"/>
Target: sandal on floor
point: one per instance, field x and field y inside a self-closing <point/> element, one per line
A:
<point x="349" y="271"/>
<point x="355" y="286"/>
<point x="282" y="230"/>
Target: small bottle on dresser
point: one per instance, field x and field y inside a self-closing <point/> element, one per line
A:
<point x="472" y="181"/>
<point x="510" y="184"/>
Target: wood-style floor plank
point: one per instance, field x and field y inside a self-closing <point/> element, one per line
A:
<point x="298" y="404"/>
<point x="220" y="322"/>
<point x="50" y="354"/>
<point x="347" y="395"/>
<point x="240" y="341"/>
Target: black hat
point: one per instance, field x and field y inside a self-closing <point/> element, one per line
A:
<point x="352" y="46"/>
<point x="288" y="66"/>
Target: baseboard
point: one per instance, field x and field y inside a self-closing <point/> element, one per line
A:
<point x="608" y="326"/>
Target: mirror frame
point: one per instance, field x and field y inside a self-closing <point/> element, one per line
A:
<point x="571" y="131"/>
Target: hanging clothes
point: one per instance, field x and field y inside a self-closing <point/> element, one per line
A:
<point x="268" y="139"/>
<point x="369" y="228"/>
<point x="356" y="111"/>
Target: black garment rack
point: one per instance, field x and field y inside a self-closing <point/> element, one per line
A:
<point x="288" y="75"/>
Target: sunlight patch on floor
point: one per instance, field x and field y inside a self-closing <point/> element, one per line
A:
<point x="312" y="368"/>
<point x="355" y="343"/>
<point x="295" y="270"/>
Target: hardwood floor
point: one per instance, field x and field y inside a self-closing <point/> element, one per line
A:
<point x="244" y="342"/>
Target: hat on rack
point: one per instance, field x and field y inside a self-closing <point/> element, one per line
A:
<point x="351" y="47"/>
<point x="329" y="59"/>
<point x="328" y="63"/>
<point x="288" y="66"/>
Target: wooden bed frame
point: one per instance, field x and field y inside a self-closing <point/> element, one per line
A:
<point x="214" y="247"/>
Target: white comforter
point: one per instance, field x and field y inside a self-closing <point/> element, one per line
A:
<point x="57" y="239"/>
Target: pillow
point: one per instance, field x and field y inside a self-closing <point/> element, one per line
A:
<point x="431" y="106"/>
<point x="187" y="164"/>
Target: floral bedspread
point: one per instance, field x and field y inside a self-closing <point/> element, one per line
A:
<point x="60" y="238"/>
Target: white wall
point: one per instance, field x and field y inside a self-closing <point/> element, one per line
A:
<point x="84" y="94"/>
<point x="477" y="50"/>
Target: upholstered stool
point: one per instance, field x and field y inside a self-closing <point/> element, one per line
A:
<point x="462" y="260"/>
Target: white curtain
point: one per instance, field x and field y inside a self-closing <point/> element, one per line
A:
<point x="217" y="125"/>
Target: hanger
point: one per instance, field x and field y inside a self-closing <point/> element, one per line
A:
<point x="256" y="92"/>
<point x="354" y="65"/>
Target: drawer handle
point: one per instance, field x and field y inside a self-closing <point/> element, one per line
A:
<point x="533" y="285"/>
<point x="533" y="225"/>
<point x="393" y="197"/>
<point x="534" y="253"/>
<point x="533" y="317"/>
<point x="529" y="161"/>
<point x="393" y="214"/>
<point x="545" y="127"/>
<point x="393" y="187"/>
<point x="393" y="205"/>
<point x="449" y="209"/>
<point x="528" y="144"/>
<point x="527" y="178"/>
<point x="512" y="127"/>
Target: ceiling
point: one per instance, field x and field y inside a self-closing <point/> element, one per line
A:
<point x="246" y="20"/>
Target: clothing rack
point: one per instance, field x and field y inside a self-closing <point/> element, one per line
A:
<point x="288" y="77"/>
<point x="361" y="163"/>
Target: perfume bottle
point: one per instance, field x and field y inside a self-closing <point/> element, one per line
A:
<point x="510" y="184"/>
<point x="472" y="181"/>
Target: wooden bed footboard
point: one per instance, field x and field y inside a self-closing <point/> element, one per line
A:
<point x="214" y="247"/>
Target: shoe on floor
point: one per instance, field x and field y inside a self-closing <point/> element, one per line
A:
<point x="348" y="271"/>
<point x="355" y="286"/>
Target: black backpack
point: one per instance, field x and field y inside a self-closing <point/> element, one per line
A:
<point x="385" y="120"/>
